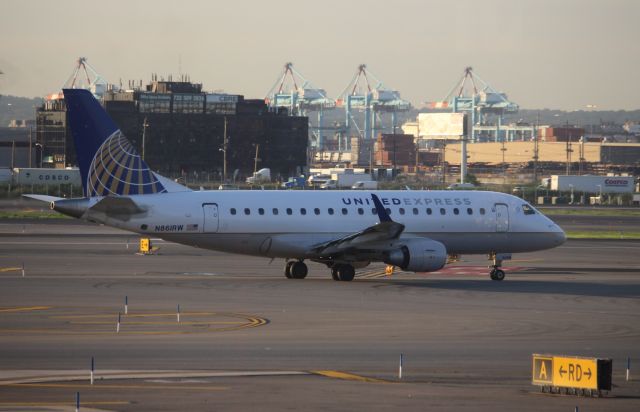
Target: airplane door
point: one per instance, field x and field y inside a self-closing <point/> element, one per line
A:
<point x="502" y="217"/>
<point x="210" y="217"/>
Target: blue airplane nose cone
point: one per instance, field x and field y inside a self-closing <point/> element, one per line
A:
<point x="560" y="237"/>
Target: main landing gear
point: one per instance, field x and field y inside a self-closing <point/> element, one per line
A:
<point x="343" y="272"/>
<point x="497" y="273"/>
<point x="296" y="269"/>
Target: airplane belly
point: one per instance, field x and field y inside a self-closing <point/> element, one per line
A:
<point x="510" y="242"/>
<point x="266" y="244"/>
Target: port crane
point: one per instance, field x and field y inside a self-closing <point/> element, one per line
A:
<point x="485" y="105"/>
<point x="367" y="94"/>
<point x="299" y="97"/>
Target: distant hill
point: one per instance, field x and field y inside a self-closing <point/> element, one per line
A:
<point x="13" y="107"/>
<point x="580" y="118"/>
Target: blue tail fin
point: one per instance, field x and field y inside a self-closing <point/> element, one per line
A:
<point x="109" y="164"/>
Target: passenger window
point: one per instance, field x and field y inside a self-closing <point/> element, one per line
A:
<point x="528" y="210"/>
<point x="275" y="211"/>
<point x="344" y="211"/>
<point x="374" y="211"/>
<point x="469" y="211"/>
<point x="247" y="211"/>
<point x="456" y="211"/>
<point x="482" y="211"/>
<point x="261" y="211"/>
<point x="303" y="211"/>
<point x="442" y="211"/>
<point x="289" y="211"/>
<point x="388" y="211"/>
<point x="415" y="210"/>
<point x="402" y="210"/>
<point x="330" y="210"/>
<point x="316" y="211"/>
<point x="360" y="211"/>
<point x="429" y="211"/>
<point x="233" y="210"/>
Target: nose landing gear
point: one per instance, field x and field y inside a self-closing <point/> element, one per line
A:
<point x="497" y="274"/>
<point x="497" y="258"/>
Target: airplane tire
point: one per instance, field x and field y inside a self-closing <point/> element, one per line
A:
<point x="346" y="273"/>
<point x="334" y="273"/>
<point x="497" y="274"/>
<point x="287" y="268"/>
<point x="299" y="270"/>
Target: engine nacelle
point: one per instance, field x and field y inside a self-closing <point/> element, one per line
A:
<point x="418" y="255"/>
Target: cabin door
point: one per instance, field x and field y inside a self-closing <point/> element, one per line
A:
<point x="502" y="217"/>
<point x="210" y="211"/>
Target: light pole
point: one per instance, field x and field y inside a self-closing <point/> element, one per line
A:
<point x="41" y="146"/>
<point x="591" y="107"/>
<point x="145" y="124"/>
<point x="223" y="149"/>
<point x="571" y="187"/>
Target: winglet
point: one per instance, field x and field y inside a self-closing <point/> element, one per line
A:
<point x="382" y="212"/>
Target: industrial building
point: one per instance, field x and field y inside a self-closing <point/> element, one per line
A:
<point x="17" y="148"/>
<point x="524" y="152"/>
<point x="180" y="130"/>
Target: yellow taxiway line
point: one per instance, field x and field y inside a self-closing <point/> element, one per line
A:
<point x="24" y="308"/>
<point x="347" y="376"/>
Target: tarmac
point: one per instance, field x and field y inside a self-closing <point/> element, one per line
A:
<point x="248" y="338"/>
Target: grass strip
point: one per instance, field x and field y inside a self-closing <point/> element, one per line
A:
<point x="32" y="214"/>
<point x="552" y="211"/>
<point x="603" y="234"/>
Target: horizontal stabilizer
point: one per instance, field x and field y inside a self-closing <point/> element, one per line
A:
<point x="43" y="198"/>
<point x="119" y="206"/>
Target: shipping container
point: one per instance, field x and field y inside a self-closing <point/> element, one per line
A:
<point x="592" y="184"/>
<point x="33" y="176"/>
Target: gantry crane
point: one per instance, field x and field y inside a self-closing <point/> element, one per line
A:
<point x="94" y="82"/>
<point x="295" y="93"/>
<point x="373" y="100"/>
<point x="483" y="104"/>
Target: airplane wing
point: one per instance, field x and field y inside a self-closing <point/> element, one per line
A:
<point x="386" y="229"/>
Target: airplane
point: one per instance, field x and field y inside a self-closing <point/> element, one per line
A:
<point x="417" y="231"/>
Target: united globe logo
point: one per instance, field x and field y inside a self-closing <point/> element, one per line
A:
<point x="117" y="169"/>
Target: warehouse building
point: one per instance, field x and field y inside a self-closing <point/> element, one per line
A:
<point x="559" y="152"/>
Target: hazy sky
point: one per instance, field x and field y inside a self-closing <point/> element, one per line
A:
<point x="562" y="54"/>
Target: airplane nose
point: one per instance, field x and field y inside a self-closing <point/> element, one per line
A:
<point x="560" y="237"/>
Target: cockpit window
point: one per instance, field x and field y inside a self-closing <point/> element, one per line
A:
<point x="528" y="210"/>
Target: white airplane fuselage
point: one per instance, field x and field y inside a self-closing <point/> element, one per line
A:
<point x="287" y="224"/>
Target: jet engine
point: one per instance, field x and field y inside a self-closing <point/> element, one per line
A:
<point x="418" y="255"/>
